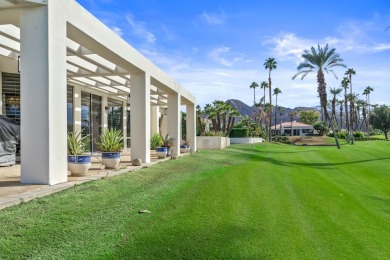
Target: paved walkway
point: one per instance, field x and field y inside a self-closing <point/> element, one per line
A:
<point x="12" y="192"/>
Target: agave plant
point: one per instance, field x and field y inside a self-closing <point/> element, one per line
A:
<point x="111" y="141"/>
<point x="77" y="143"/>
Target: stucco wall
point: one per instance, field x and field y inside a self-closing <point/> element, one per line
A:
<point x="249" y="140"/>
<point x="212" y="142"/>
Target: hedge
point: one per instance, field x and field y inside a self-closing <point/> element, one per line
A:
<point x="239" y="132"/>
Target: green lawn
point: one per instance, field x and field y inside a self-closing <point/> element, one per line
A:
<point x="269" y="201"/>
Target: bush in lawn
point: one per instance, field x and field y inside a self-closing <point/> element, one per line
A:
<point x="321" y="128"/>
<point x="358" y="134"/>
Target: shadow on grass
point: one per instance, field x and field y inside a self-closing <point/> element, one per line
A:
<point x="262" y="155"/>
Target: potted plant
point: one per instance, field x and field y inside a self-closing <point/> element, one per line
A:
<point x="185" y="147"/>
<point x="155" y="143"/>
<point x="111" y="145"/>
<point x="78" y="161"/>
<point x="168" y="143"/>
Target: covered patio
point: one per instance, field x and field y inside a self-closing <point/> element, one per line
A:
<point x="56" y="44"/>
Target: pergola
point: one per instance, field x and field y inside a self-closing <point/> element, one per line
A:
<point x="55" y="43"/>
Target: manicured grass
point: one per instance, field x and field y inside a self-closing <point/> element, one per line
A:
<point x="271" y="201"/>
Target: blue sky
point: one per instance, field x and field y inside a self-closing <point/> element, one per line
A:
<point x="216" y="48"/>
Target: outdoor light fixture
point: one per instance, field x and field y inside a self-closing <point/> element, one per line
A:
<point x="165" y="111"/>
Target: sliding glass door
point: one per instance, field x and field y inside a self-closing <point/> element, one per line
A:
<point x="91" y="118"/>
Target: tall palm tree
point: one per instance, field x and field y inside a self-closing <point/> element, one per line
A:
<point x="341" y="102"/>
<point x="277" y="91"/>
<point x="367" y="91"/>
<point x="344" y="84"/>
<point x="270" y="64"/>
<point x="318" y="60"/>
<point x="281" y="110"/>
<point x="254" y="85"/>
<point x="349" y="74"/>
<point x="263" y="85"/>
<point x="334" y="92"/>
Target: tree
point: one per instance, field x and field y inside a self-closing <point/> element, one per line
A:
<point x="367" y="91"/>
<point x="341" y="102"/>
<point x="254" y="85"/>
<point x="198" y="116"/>
<point x="344" y="84"/>
<point x="277" y="91"/>
<point x="270" y="64"/>
<point x="321" y="128"/>
<point x="380" y="119"/>
<point x="264" y="85"/>
<point x="281" y="110"/>
<point x="309" y="116"/>
<point x="334" y="92"/>
<point x="349" y="74"/>
<point x="318" y="60"/>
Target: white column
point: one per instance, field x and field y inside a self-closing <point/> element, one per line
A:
<point x="124" y="124"/>
<point x="154" y="120"/>
<point x="43" y="91"/>
<point x="140" y="116"/>
<point x="104" y="113"/>
<point x="174" y="120"/>
<point x="77" y="109"/>
<point x="191" y="126"/>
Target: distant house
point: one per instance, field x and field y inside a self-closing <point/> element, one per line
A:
<point x="299" y="129"/>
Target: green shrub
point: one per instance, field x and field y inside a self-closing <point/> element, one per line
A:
<point x="358" y="134"/>
<point x="281" y="139"/>
<point x="340" y="135"/>
<point x="321" y="128"/>
<point x="239" y="132"/>
<point x="212" y="133"/>
<point x="155" y="141"/>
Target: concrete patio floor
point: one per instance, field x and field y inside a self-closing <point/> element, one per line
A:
<point x="12" y="192"/>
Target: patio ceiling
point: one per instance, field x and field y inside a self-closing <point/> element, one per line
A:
<point x="19" y="3"/>
<point x="84" y="67"/>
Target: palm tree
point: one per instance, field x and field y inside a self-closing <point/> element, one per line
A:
<point x="344" y="84"/>
<point x="277" y="91"/>
<point x="281" y="110"/>
<point x="263" y="85"/>
<point x="334" y="92"/>
<point x="198" y="116"/>
<point x="270" y="64"/>
<point x="233" y="113"/>
<point x="341" y="102"/>
<point x="254" y="85"/>
<point x="367" y="91"/>
<point x="320" y="60"/>
<point x="349" y="74"/>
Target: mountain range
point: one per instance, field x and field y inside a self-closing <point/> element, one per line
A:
<point x="244" y="110"/>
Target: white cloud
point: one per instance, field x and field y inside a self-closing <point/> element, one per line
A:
<point x="139" y="29"/>
<point x="212" y="18"/>
<point x="170" y="62"/>
<point x="117" y="30"/>
<point x="223" y="55"/>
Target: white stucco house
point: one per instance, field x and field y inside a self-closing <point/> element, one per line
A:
<point x="298" y="129"/>
<point x="61" y="68"/>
